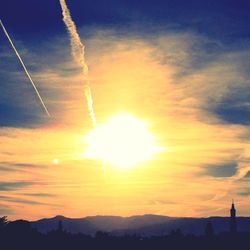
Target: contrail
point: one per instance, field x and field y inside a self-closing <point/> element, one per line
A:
<point x="78" y="53"/>
<point x="25" y="69"/>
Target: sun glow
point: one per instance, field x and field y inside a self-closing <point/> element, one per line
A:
<point x="123" y="141"/>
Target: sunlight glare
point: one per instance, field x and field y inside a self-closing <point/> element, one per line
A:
<point x="123" y="141"/>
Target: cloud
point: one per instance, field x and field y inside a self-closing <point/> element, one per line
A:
<point x="18" y="167"/>
<point x="14" y="199"/>
<point x="7" y="169"/>
<point x="11" y="186"/>
<point x="15" y="116"/>
<point x="234" y="108"/>
<point x="227" y="169"/>
<point x="39" y="195"/>
<point x="18" y="106"/>
<point x="247" y="175"/>
<point x="5" y="210"/>
<point x="245" y="192"/>
<point x="29" y="165"/>
<point x="192" y="57"/>
<point x="19" y="200"/>
<point x="187" y="77"/>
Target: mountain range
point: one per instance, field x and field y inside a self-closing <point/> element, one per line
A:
<point x="144" y="225"/>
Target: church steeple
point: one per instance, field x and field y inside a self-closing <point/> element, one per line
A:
<point x="233" y="226"/>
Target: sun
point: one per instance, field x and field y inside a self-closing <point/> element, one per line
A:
<point x="122" y="141"/>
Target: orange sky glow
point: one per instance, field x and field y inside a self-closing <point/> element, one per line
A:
<point x="50" y="163"/>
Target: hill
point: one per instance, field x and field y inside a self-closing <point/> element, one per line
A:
<point x="145" y="225"/>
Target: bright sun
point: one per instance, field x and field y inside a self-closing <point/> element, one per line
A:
<point x="122" y="141"/>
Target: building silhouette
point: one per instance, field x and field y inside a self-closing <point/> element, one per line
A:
<point x="233" y="225"/>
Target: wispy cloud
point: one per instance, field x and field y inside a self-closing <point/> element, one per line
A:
<point x="18" y="167"/>
<point x="4" y="210"/>
<point x="226" y="169"/>
<point x="15" y="164"/>
<point x="244" y="192"/>
<point x="39" y="194"/>
<point x="193" y="91"/>
<point x="19" y="200"/>
<point x="11" y="186"/>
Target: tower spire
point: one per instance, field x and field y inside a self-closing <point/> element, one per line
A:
<point x="233" y="226"/>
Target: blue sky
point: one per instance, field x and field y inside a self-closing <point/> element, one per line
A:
<point x="224" y="23"/>
<point x="227" y="19"/>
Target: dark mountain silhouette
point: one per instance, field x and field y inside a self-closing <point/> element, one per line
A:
<point x="81" y="225"/>
<point x="21" y="234"/>
<point x="145" y="225"/>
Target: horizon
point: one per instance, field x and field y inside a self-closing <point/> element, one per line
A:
<point x="134" y="215"/>
<point x="124" y="108"/>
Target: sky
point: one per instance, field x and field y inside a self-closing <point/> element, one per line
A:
<point x="180" y="66"/>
